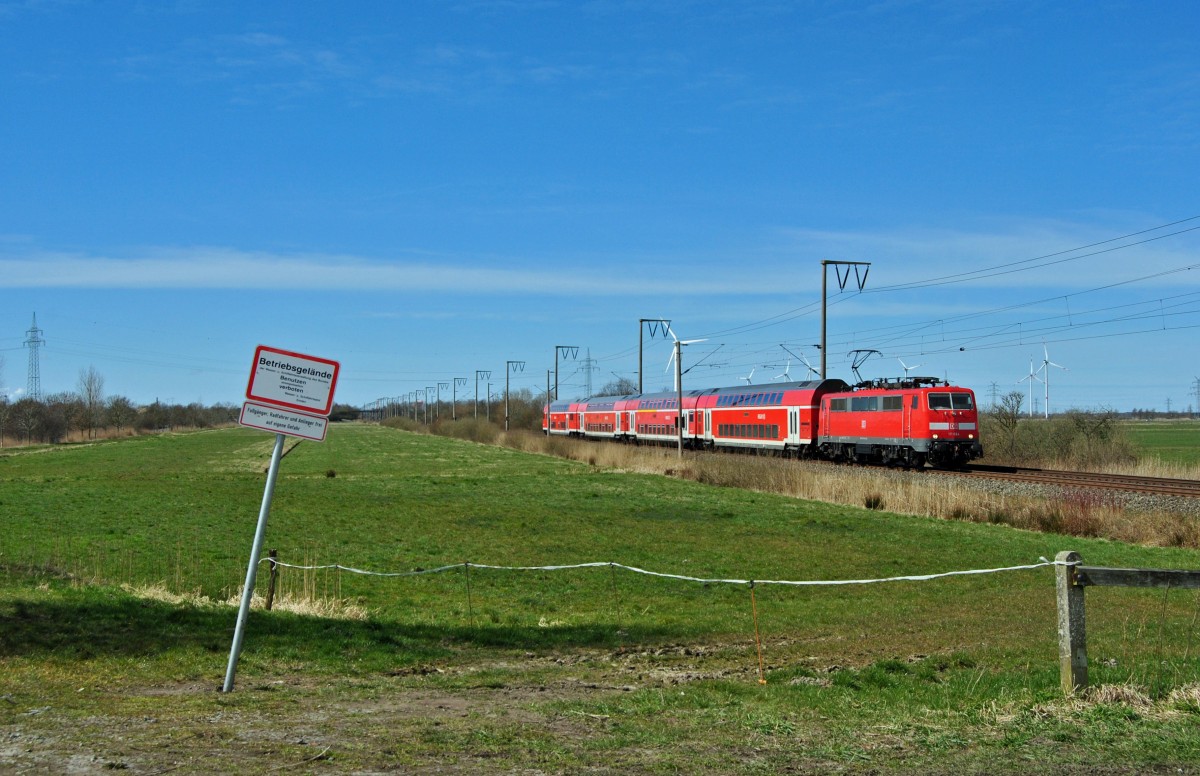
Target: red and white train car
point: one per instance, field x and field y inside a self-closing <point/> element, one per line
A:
<point x="782" y="417"/>
<point x="901" y="422"/>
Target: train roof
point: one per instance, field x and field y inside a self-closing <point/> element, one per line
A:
<point x="802" y="385"/>
<point x="796" y="385"/>
<point x="833" y="385"/>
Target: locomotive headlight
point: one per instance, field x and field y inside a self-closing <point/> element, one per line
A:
<point x="970" y="436"/>
<point x="935" y="436"/>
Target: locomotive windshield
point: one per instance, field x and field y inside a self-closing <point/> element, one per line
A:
<point x="951" y="401"/>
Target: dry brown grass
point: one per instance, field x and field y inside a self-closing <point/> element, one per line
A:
<point x="1078" y="514"/>
<point x="311" y="605"/>
<point x="1183" y="700"/>
<point x="1155" y="467"/>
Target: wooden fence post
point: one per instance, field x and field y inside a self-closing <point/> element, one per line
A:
<point x="273" y="556"/>
<point x="1072" y="633"/>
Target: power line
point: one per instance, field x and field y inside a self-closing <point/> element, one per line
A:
<point x="978" y="274"/>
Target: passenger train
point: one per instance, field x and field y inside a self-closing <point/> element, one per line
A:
<point x="909" y="422"/>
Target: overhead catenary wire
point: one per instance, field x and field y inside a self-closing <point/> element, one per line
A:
<point x="1007" y="269"/>
<point x="1001" y="269"/>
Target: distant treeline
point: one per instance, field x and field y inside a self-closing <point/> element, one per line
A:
<point x="66" y="417"/>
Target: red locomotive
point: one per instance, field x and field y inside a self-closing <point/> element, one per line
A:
<point x="908" y="422"/>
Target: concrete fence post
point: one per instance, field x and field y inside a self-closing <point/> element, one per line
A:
<point x="1072" y="632"/>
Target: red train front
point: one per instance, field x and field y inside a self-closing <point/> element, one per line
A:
<point x="901" y="423"/>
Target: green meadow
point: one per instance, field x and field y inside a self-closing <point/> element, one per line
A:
<point x="1172" y="441"/>
<point x="118" y="560"/>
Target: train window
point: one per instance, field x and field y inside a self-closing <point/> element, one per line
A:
<point x="837" y="405"/>
<point x="893" y="403"/>
<point x="951" y="401"/>
<point x="916" y="401"/>
<point x="864" y="403"/>
<point x="775" y="431"/>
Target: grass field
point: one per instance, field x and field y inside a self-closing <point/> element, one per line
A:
<point x="1173" y="441"/>
<point x="118" y="559"/>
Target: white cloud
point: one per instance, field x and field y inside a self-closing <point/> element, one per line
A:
<point x="222" y="268"/>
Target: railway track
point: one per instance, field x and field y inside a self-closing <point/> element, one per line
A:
<point x="1155" y="485"/>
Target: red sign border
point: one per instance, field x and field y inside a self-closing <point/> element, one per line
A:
<point x="276" y="402"/>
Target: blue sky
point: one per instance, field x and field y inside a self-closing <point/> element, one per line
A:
<point x="421" y="190"/>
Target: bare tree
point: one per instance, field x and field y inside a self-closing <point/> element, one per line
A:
<point x="28" y="416"/>
<point x="1007" y="415"/>
<point x="121" y="413"/>
<point x="622" y="386"/>
<point x="91" y="394"/>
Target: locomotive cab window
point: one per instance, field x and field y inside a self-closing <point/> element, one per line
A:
<point x="950" y="401"/>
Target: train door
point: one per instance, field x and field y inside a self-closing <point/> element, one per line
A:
<point x="909" y="404"/>
<point x="708" y="425"/>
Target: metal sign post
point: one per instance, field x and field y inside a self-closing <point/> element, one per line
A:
<point x="252" y="572"/>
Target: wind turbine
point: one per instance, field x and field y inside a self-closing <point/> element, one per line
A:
<point x="677" y="357"/>
<point x="1030" y="377"/>
<point x="803" y="360"/>
<point x="786" y="370"/>
<point x="907" y="368"/>
<point x="1046" y="362"/>
<point x="750" y="377"/>
<point x="675" y="353"/>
